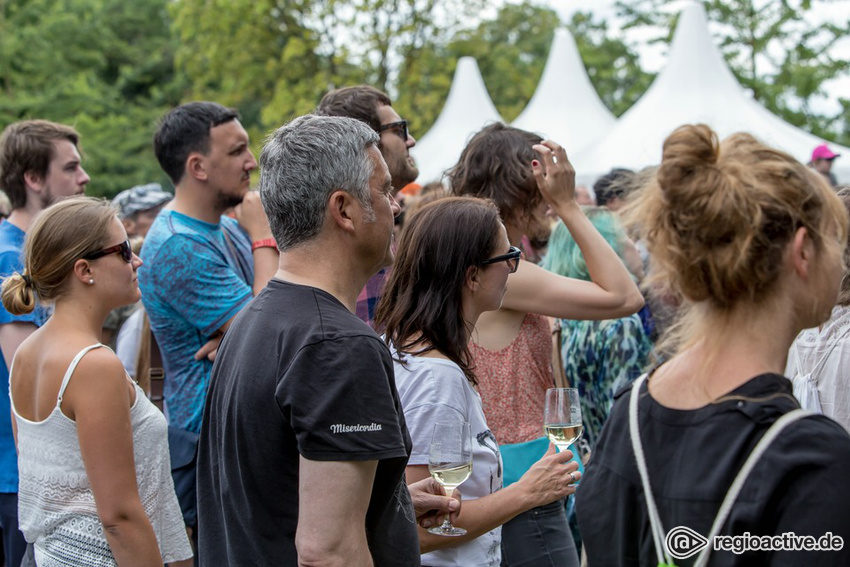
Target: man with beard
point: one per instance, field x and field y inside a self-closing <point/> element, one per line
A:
<point x="39" y="164"/>
<point x="200" y="267"/>
<point x="374" y="107"/>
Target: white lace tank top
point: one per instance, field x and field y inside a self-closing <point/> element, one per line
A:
<point x="56" y="508"/>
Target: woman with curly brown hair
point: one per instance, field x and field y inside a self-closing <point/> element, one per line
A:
<point x="512" y="347"/>
<point x="711" y="441"/>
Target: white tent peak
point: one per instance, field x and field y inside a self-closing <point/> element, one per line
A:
<point x="695" y="86"/>
<point x="468" y="108"/>
<point x="694" y="58"/>
<point x="565" y="107"/>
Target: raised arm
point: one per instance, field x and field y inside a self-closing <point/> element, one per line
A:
<point x="333" y="498"/>
<point x="99" y="398"/>
<point x="610" y="294"/>
<point x="252" y="218"/>
<point x="546" y="481"/>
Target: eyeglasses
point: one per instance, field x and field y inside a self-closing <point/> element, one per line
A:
<point x="124" y="249"/>
<point x="512" y="258"/>
<point x="400" y="128"/>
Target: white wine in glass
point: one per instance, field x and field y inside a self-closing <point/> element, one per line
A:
<point x="450" y="463"/>
<point x="562" y="417"/>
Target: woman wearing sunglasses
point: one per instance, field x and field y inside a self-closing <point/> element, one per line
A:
<point x="452" y="264"/>
<point x="95" y="478"/>
<point x="512" y="347"/>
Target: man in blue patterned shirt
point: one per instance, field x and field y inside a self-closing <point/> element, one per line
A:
<point x="200" y="267"/>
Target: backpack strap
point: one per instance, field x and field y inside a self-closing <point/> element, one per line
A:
<point x="658" y="533"/>
<point x="732" y="494"/>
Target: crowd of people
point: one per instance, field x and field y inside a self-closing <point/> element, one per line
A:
<point x="312" y="332"/>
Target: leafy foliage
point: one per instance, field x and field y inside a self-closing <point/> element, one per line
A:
<point x="112" y="68"/>
<point x="774" y="50"/>
<point x="104" y="66"/>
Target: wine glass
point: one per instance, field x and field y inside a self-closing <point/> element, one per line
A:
<point x="450" y="463"/>
<point x="562" y="417"/>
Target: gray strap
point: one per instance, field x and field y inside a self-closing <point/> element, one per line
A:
<point x="764" y="443"/>
<point x="658" y="533"/>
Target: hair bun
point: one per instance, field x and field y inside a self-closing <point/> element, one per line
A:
<point x="689" y="149"/>
<point x="18" y="294"/>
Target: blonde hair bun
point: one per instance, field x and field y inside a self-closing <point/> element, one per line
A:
<point x="718" y="216"/>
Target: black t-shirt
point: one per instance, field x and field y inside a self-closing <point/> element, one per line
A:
<point x="297" y="374"/>
<point x="801" y="484"/>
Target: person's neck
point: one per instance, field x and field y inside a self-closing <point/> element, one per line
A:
<point x="83" y="316"/>
<point x="23" y="217"/>
<point x="195" y="202"/>
<point x="328" y="268"/>
<point x="745" y="345"/>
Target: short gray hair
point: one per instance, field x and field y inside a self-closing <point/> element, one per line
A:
<point x="303" y="163"/>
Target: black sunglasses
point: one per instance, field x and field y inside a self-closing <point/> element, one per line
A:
<point x="512" y="258"/>
<point x="400" y="128"/>
<point x="124" y="248"/>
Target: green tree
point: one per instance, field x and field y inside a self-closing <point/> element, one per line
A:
<point x="274" y="59"/>
<point x="510" y="49"/>
<point x="259" y="56"/>
<point x="612" y="65"/>
<point x="104" y="66"/>
<point x="773" y="49"/>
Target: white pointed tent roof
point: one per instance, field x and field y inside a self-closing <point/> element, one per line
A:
<point x="695" y="86"/>
<point x="468" y="108"/>
<point x="565" y="106"/>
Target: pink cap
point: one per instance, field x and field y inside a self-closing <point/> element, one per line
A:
<point x="823" y="152"/>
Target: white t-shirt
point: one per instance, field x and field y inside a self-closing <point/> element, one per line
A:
<point x="128" y="340"/>
<point x="435" y="389"/>
<point x="823" y="353"/>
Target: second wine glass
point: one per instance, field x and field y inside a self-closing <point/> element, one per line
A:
<point x="450" y="463"/>
<point x="562" y="417"/>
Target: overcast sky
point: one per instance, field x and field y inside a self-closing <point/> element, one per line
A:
<point x="654" y="57"/>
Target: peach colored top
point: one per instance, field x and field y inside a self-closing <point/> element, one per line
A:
<point x="513" y="381"/>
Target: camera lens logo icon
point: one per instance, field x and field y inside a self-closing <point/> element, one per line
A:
<point x="683" y="542"/>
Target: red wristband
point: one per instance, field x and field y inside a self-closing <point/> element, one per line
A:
<point x="264" y="243"/>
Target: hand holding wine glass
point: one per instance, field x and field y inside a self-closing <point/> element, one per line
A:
<point x="450" y="463"/>
<point x="562" y="417"/>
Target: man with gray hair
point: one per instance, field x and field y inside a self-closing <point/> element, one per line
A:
<point x="303" y="444"/>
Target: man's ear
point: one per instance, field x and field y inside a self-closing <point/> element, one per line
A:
<point x="802" y="252"/>
<point x="196" y="166"/>
<point x="33" y="181"/>
<point x="341" y="208"/>
<point x="129" y="225"/>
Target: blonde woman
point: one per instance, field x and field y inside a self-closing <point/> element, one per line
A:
<point x="753" y="241"/>
<point x="95" y="479"/>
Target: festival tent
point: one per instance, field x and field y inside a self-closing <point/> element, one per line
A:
<point x="565" y="106"/>
<point x="468" y="108"/>
<point x="695" y="86"/>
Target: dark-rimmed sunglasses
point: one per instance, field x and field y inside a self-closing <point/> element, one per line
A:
<point x="512" y="258"/>
<point x="399" y="127"/>
<point x="124" y="249"/>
